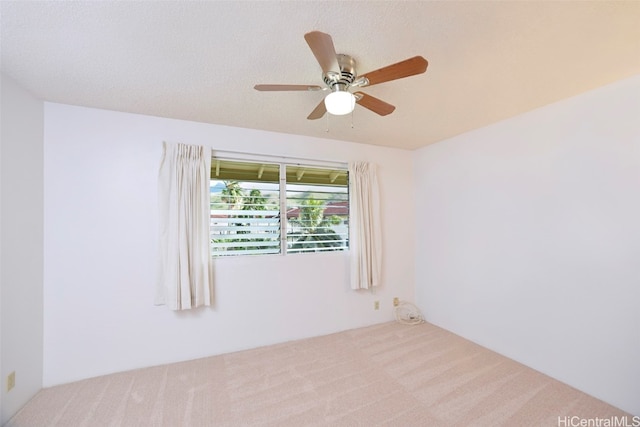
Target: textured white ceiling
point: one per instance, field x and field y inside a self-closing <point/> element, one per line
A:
<point x="200" y="60"/>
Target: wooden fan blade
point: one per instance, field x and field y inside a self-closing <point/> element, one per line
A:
<point x="374" y="104"/>
<point x="269" y="88"/>
<point x="406" y="68"/>
<point x="318" y="112"/>
<point x="321" y="45"/>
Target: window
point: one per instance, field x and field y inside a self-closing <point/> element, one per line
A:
<point x="271" y="208"/>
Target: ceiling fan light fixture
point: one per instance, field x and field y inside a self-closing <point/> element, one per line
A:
<point x="340" y="103"/>
<point x="340" y="76"/>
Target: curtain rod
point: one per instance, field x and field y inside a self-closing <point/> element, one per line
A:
<point x="258" y="156"/>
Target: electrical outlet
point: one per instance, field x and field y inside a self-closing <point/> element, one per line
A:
<point x="11" y="380"/>
<point x="396" y="301"/>
<point x="376" y="305"/>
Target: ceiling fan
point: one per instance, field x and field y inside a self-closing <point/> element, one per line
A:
<point x="340" y="77"/>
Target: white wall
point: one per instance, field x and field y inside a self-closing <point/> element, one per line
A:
<point x="528" y="239"/>
<point x="100" y="247"/>
<point x="21" y="248"/>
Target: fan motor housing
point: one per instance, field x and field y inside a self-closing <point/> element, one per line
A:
<point x="343" y="79"/>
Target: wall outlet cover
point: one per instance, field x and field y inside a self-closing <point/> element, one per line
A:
<point x="11" y="380"/>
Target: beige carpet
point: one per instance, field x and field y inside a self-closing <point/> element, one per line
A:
<point x="389" y="374"/>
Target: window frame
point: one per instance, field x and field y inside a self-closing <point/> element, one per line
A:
<point x="283" y="162"/>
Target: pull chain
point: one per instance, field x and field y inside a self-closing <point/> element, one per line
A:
<point x="327" y="128"/>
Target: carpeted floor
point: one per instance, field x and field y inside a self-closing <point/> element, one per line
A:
<point x="389" y="374"/>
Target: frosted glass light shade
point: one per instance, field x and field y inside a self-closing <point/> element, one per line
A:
<point x="340" y="103"/>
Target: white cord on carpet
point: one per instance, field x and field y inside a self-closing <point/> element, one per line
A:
<point x="408" y="314"/>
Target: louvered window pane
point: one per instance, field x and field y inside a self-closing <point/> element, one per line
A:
<point x="245" y="208"/>
<point x="317" y="210"/>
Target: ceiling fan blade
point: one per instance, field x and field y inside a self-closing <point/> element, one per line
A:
<point x="270" y="88"/>
<point x="318" y="112"/>
<point x="406" y="68"/>
<point x="374" y="104"/>
<point x="321" y="45"/>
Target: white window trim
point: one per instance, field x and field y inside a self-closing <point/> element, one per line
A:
<point x="268" y="158"/>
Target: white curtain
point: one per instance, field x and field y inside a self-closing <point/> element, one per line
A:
<point x="185" y="275"/>
<point x="365" y="231"/>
